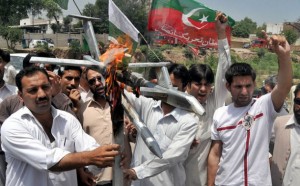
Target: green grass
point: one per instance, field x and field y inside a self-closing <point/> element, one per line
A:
<point x="264" y="66"/>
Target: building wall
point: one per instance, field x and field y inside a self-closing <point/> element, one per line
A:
<point x="60" y="39"/>
<point x="274" y="28"/>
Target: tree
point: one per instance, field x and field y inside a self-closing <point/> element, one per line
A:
<point x="89" y="10"/>
<point x="53" y="10"/>
<point x="67" y="21"/>
<point x="12" y="11"/>
<point x="244" y="28"/>
<point x="259" y="30"/>
<point x="99" y="10"/>
<point x="291" y="35"/>
<point x="11" y="35"/>
<point x="55" y="27"/>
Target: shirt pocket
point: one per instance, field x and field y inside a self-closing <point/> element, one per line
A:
<point x="67" y="144"/>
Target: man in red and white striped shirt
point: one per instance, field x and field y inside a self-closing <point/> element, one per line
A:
<point x="241" y="131"/>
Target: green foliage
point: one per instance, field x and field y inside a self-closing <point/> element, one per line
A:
<point x="259" y="30"/>
<point x="296" y="70"/>
<point x="166" y="47"/>
<point x="43" y="48"/>
<point x="75" y="49"/>
<point x="144" y="49"/>
<point x="261" y="52"/>
<point x="55" y="27"/>
<point x="157" y="57"/>
<point x="188" y="53"/>
<point x="243" y="28"/>
<point x="12" y="11"/>
<point x="99" y="9"/>
<point x="52" y="9"/>
<point x="89" y="10"/>
<point x="67" y="21"/>
<point x="212" y="61"/>
<point x="291" y="35"/>
<point x="189" y="62"/>
<point x="11" y="35"/>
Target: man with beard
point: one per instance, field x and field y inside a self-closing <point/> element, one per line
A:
<point x="70" y="78"/>
<point x="95" y="117"/>
<point x="241" y="131"/>
<point x="285" y="164"/>
<point x="44" y="145"/>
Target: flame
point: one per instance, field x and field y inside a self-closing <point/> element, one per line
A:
<point x="112" y="58"/>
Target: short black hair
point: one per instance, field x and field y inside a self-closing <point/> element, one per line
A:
<point x="180" y="72"/>
<point x="199" y="72"/>
<point x="62" y="69"/>
<point x="30" y="71"/>
<point x="297" y="89"/>
<point x="239" y="69"/>
<point x="26" y="60"/>
<point x="94" y="68"/>
<point x="271" y="81"/>
<point x="5" y="55"/>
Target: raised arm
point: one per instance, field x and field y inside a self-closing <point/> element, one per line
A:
<point x="213" y="161"/>
<point x="284" y="82"/>
<point x="224" y="62"/>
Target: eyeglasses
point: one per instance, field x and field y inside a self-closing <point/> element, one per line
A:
<point x="93" y="80"/>
<point x="297" y="101"/>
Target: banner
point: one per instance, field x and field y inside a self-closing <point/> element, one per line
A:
<point x="62" y="3"/>
<point x="187" y="20"/>
<point x="121" y="30"/>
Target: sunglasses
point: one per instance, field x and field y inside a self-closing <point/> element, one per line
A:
<point x="93" y="80"/>
<point x="297" y="101"/>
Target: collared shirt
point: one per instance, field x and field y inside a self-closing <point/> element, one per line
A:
<point x="10" y="74"/>
<point x="13" y="103"/>
<point x="174" y="133"/>
<point x="85" y="95"/>
<point x="30" y="154"/>
<point x="96" y="121"/>
<point x="7" y="90"/>
<point x="291" y="176"/>
<point x="196" y="163"/>
<point x="244" y="152"/>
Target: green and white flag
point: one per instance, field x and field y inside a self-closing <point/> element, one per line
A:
<point x="121" y="30"/>
<point x="62" y="3"/>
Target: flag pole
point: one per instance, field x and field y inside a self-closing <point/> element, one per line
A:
<point x="77" y="7"/>
<point x="149" y="46"/>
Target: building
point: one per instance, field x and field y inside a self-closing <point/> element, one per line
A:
<point x="274" y="28"/>
<point x="31" y="25"/>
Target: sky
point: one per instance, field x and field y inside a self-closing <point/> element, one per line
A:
<point x="260" y="11"/>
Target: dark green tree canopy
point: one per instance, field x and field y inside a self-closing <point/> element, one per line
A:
<point x="244" y="28"/>
<point x="11" y="11"/>
<point x="291" y="35"/>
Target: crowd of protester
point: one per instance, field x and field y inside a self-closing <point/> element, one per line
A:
<point x="56" y="126"/>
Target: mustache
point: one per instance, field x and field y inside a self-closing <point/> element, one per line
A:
<point x="71" y="87"/>
<point x="41" y="99"/>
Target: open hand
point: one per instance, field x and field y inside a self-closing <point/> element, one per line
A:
<point x="104" y="156"/>
<point x="130" y="174"/>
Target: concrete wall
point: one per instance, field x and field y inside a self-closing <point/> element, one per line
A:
<point x="60" y="39"/>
